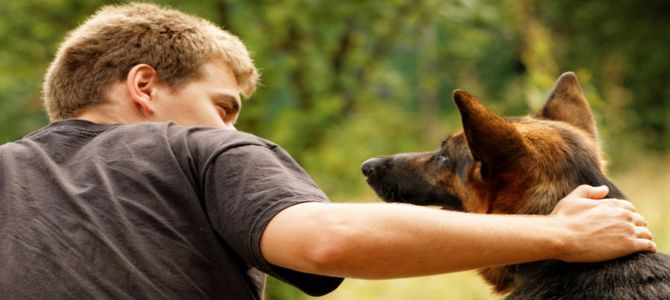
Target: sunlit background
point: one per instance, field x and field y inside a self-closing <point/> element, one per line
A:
<point x="347" y="80"/>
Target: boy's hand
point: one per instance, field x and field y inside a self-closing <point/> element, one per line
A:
<point x="601" y="229"/>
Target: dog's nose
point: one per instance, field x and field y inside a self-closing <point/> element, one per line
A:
<point x="368" y="167"/>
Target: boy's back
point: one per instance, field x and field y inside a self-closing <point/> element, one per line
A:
<point x="133" y="198"/>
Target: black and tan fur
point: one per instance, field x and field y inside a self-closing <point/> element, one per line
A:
<point x="523" y="166"/>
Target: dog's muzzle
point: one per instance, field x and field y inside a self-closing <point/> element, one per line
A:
<point x="371" y="166"/>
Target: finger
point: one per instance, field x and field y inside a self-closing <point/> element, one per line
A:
<point x="639" y="220"/>
<point x="643" y="233"/>
<point x="591" y="192"/>
<point x="625" y="204"/>
<point x="620" y="203"/>
<point x="645" y="245"/>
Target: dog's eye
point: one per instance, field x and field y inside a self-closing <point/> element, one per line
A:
<point x="442" y="158"/>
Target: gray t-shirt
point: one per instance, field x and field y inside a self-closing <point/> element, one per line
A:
<point x="152" y="210"/>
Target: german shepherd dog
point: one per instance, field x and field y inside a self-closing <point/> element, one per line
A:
<point x="523" y="165"/>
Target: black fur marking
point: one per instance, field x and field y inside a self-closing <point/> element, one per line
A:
<point x="638" y="276"/>
<point x="394" y="180"/>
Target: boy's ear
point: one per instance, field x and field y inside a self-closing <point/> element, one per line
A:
<point x="141" y="84"/>
<point x="492" y="140"/>
<point x="567" y="103"/>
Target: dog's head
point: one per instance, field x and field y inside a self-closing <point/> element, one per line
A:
<point x="500" y="165"/>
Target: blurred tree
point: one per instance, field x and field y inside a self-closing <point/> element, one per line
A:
<point x="29" y="34"/>
<point x="625" y="45"/>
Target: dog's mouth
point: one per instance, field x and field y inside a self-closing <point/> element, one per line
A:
<point x="394" y="193"/>
<point x="457" y="206"/>
<point x="450" y="203"/>
<point x="387" y="192"/>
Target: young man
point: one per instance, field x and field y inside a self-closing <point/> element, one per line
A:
<point x="141" y="187"/>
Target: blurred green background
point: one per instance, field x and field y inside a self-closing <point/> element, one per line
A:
<point x="347" y="80"/>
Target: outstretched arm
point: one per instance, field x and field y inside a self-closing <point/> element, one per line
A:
<point x="397" y="240"/>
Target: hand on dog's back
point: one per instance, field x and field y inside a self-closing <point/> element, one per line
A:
<point x="585" y="210"/>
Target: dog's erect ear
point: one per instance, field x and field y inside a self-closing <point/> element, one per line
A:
<point x="567" y="103"/>
<point x="492" y="140"/>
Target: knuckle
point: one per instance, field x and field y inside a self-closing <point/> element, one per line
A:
<point x="629" y="216"/>
<point x="643" y="221"/>
<point x="612" y="202"/>
<point x="629" y="205"/>
<point x="639" y="217"/>
<point x="627" y="230"/>
<point x="628" y="242"/>
<point x="646" y="233"/>
<point x="580" y="191"/>
<point x="625" y="214"/>
<point x="619" y="203"/>
<point x="582" y="187"/>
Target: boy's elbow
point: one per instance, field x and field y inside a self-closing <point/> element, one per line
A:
<point x="333" y="245"/>
<point x="311" y="238"/>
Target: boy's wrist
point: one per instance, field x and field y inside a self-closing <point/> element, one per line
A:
<point x="559" y="238"/>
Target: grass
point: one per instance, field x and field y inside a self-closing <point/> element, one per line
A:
<point x="645" y="182"/>
<point x="463" y="285"/>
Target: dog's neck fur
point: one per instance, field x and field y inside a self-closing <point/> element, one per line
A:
<point x="507" y="278"/>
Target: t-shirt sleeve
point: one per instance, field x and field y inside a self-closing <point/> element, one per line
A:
<point x="245" y="187"/>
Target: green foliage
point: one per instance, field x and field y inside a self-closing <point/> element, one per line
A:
<point x="277" y="290"/>
<point x="30" y="32"/>
<point x="626" y="45"/>
<point x="347" y="80"/>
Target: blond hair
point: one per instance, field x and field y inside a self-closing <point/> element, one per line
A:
<point x="104" y="48"/>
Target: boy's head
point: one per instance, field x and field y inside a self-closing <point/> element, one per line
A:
<point x="110" y="43"/>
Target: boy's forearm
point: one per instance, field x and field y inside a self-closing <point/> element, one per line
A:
<point x="395" y="240"/>
<point x="430" y="241"/>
